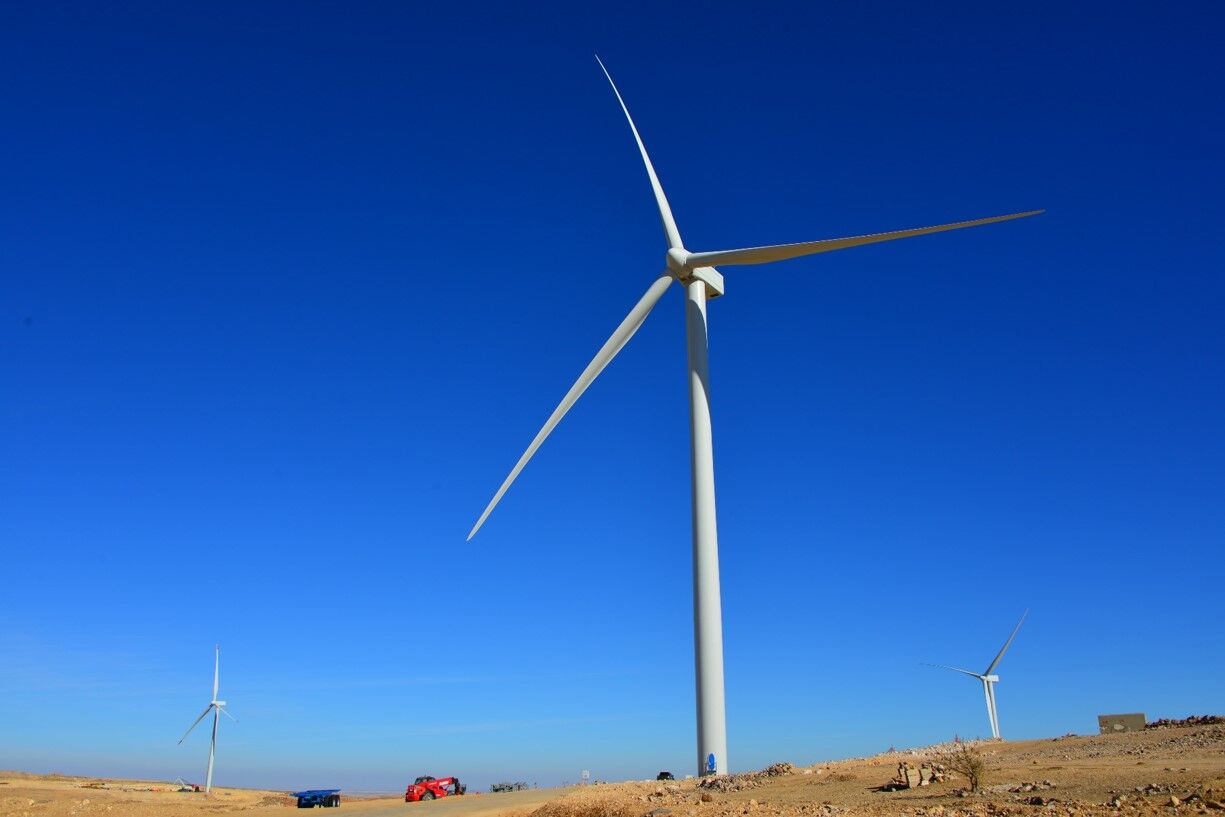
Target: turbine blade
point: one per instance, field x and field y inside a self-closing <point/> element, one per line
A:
<point x="955" y="669"/>
<point x="1004" y="648"/>
<point x="665" y="211"/>
<point x="226" y="712"/>
<point x="216" y="670"/>
<point x="781" y="252"/>
<point x="193" y="726"/>
<point x="607" y="352"/>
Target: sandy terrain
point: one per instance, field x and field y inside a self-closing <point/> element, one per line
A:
<point x="27" y="794"/>
<point x="1123" y="775"/>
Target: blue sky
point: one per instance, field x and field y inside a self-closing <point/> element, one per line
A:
<point x="288" y="288"/>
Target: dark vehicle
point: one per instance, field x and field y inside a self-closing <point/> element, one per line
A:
<point x="324" y="798"/>
<point x="665" y="776"/>
<point x="516" y="786"/>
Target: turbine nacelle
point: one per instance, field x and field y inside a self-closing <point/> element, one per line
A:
<point x="683" y="267"/>
<point x="218" y="703"/>
<point x="707" y="275"/>
<point x="990" y="678"/>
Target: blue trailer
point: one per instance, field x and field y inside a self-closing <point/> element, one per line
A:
<point x="324" y="798"/>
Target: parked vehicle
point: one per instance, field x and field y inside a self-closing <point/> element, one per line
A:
<point x="427" y="787"/>
<point x="324" y="798"/>
<point x="516" y="786"/>
<point x="665" y="776"/>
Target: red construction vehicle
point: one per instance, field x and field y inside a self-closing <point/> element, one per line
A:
<point x="428" y="788"/>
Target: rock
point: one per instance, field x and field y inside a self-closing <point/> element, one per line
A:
<point x="1174" y="801"/>
<point x="707" y="797"/>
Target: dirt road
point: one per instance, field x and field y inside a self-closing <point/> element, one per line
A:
<point x="479" y="805"/>
<point x="27" y="795"/>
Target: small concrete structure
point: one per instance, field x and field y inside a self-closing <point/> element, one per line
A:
<point x="1109" y="724"/>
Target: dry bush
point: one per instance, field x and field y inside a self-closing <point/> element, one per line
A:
<point x="969" y="763"/>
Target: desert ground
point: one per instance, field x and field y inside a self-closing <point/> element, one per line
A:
<point x="1179" y="770"/>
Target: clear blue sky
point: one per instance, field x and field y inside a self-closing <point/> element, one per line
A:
<point x="287" y="288"/>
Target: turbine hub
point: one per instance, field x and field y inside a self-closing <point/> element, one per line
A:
<point x="678" y="259"/>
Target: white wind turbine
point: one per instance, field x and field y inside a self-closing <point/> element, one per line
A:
<point x="696" y="272"/>
<point x="989" y="679"/>
<point x="216" y="707"/>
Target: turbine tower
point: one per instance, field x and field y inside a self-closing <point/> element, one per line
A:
<point x="697" y="273"/>
<point x="216" y="707"/>
<point x="989" y="679"/>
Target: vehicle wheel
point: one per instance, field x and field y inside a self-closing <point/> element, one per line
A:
<point x="429" y="795"/>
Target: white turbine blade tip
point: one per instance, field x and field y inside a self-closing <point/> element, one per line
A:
<point x="620" y="336"/>
<point x="783" y="252"/>
<point x="1007" y="643"/>
<point x="661" y="201"/>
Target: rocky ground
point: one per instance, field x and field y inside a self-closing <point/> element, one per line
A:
<point x="1176" y="771"/>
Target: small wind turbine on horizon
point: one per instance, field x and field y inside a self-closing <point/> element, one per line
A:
<point x="696" y="272"/>
<point x="989" y="680"/>
<point x="216" y="707"/>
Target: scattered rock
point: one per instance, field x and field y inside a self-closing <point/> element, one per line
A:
<point x="1191" y="720"/>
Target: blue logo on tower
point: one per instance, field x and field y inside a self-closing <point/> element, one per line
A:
<point x="710" y="763"/>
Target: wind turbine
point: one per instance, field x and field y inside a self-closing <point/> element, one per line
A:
<point x="216" y="707"/>
<point x="989" y="680"/>
<point x="696" y="272"/>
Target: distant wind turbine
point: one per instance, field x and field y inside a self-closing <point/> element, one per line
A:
<point x="216" y="707"/>
<point x="989" y="680"/>
<point x="696" y="272"/>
